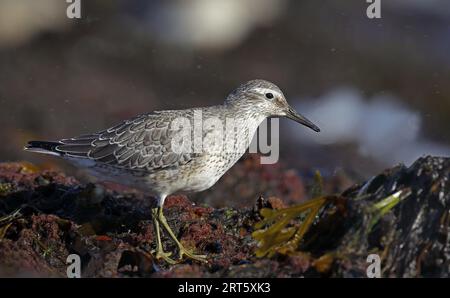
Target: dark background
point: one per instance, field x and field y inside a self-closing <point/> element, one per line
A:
<point x="378" y="88"/>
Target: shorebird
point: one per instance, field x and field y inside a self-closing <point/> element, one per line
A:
<point x="142" y="152"/>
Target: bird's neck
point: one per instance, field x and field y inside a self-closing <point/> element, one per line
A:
<point x="247" y="118"/>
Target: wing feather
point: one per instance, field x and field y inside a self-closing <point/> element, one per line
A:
<point x="141" y="143"/>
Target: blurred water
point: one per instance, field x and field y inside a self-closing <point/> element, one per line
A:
<point x="22" y="20"/>
<point x="214" y="24"/>
<point x="438" y="7"/>
<point x="381" y="126"/>
<point x="135" y="56"/>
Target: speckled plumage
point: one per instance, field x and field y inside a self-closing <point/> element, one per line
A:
<point x="137" y="152"/>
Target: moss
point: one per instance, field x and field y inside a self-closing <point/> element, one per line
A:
<point x="229" y="213"/>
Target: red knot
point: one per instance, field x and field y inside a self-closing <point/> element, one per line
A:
<point x="154" y="152"/>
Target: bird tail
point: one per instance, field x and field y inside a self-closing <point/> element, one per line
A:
<point x="43" y="147"/>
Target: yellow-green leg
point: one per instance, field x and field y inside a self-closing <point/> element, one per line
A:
<point x="159" y="253"/>
<point x="181" y="248"/>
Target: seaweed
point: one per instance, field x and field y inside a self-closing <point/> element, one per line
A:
<point x="6" y="221"/>
<point x="281" y="236"/>
<point x="282" y="231"/>
<point x="401" y="214"/>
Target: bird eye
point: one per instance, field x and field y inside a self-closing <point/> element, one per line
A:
<point x="269" y="95"/>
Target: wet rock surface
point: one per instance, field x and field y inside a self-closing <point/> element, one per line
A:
<point x="402" y="215"/>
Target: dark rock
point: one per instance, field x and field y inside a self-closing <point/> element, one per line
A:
<point x="213" y="247"/>
<point x="412" y="239"/>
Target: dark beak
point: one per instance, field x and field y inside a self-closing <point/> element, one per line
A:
<point x="293" y="115"/>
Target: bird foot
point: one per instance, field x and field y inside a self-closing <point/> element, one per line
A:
<point x="159" y="254"/>
<point x="190" y="254"/>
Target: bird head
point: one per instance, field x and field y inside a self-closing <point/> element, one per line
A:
<point x="267" y="99"/>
